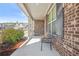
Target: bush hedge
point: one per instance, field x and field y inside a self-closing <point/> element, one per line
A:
<point x="12" y="35"/>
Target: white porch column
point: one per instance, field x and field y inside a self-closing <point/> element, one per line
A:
<point x="31" y="27"/>
<point x="45" y="25"/>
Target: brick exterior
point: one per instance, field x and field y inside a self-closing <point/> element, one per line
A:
<point x="71" y="32"/>
<point x="69" y="46"/>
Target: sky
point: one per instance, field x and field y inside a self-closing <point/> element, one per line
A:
<point x="11" y="12"/>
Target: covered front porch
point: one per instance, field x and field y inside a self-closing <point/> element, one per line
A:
<point x="33" y="48"/>
<point x="42" y="20"/>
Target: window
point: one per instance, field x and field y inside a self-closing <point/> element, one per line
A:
<point x="59" y="19"/>
<point x="55" y="20"/>
<point x="51" y="21"/>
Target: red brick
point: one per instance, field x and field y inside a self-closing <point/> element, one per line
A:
<point x="76" y="32"/>
<point x="77" y="4"/>
<point x="76" y="36"/>
<point x="70" y="31"/>
<point x="77" y="25"/>
<point x="70" y="25"/>
<point x="76" y="18"/>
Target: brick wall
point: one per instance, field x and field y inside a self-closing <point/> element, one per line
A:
<point x="69" y="46"/>
<point x="58" y="45"/>
<point x="71" y="29"/>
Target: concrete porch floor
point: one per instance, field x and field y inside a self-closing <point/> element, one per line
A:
<point x="33" y="48"/>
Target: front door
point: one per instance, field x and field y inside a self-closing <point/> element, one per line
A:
<point x="39" y="27"/>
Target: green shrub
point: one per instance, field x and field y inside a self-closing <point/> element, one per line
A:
<point x="12" y="35"/>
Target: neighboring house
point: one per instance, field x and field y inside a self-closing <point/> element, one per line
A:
<point x="23" y="26"/>
<point x="1" y="26"/>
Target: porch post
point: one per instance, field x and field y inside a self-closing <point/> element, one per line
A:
<point x="45" y="25"/>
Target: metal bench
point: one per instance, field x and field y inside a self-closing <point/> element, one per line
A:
<point x="47" y="39"/>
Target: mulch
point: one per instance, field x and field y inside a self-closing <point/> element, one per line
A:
<point x="11" y="49"/>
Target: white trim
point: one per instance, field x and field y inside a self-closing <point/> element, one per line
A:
<point x="47" y="10"/>
<point x="23" y="43"/>
<point x="52" y="21"/>
<point x="53" y="6"/>
<point x="51" y="28"/>
<point x="44" y="26"/>
<point x="23" y="8"/>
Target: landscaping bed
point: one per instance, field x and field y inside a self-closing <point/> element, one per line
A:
<point x="8" y="51"/>
<point x="11" y="40"/>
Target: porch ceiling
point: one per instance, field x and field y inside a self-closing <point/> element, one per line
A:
<point x="37" y="10"/>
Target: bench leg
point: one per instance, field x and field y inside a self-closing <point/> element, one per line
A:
<point x="50" y="46"/>
<point x="41" y="46"/>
